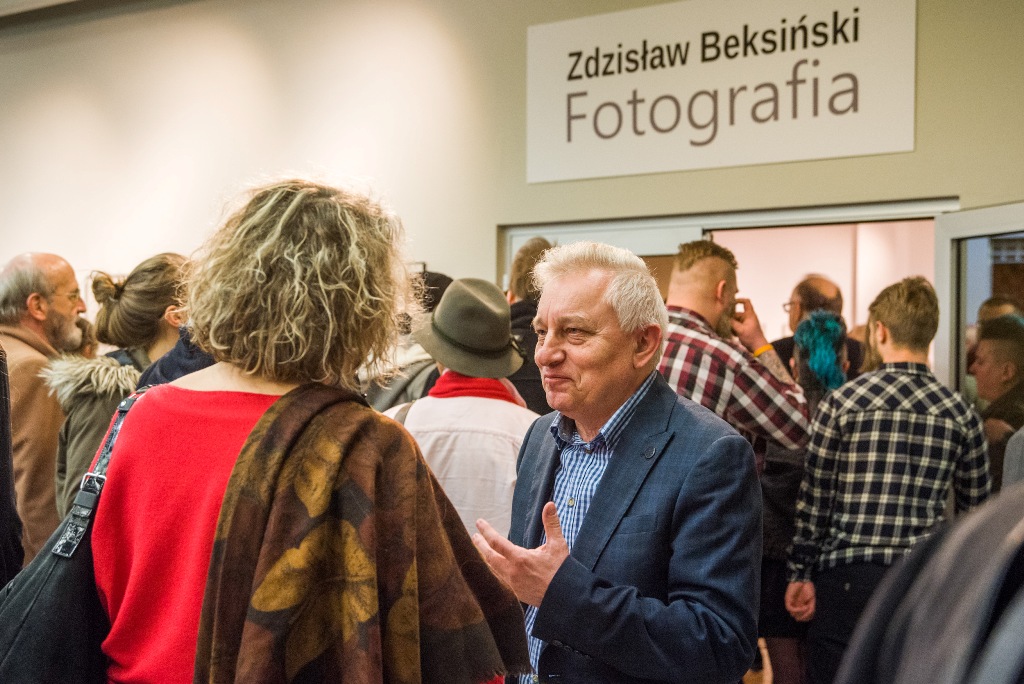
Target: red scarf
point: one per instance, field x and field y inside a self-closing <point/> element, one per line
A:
<point x="452" y="384"/>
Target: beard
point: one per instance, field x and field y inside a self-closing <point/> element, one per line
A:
<point x="872" y="359"/>
<point x="62" y="332"/>
<point x="723" y="326"/>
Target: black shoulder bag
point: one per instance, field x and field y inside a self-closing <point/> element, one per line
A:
<point x="51" y="621"/>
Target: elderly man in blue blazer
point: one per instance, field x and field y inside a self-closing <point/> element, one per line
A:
<point x="635" y="542"/>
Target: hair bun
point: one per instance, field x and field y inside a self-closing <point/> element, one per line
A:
<point x="105" y="288"/>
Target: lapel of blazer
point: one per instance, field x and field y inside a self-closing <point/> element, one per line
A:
<point x="639" y="448"/>
<point x="542" y="486"/>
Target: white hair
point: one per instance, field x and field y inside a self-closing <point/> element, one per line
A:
<point x="632" y="293"/>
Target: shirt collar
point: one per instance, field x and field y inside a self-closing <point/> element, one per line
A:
<point x="563" y="428"/>
<point x="690" y="316"/>
<point x="906" y="367"/>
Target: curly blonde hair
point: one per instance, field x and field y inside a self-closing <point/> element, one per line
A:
<point x="305" y="283"/>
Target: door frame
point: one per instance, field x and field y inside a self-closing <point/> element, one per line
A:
<point x="662" y="235"/>
<point x="949" y="229"/>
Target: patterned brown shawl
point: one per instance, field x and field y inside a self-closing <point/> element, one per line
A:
<point x="339" y="558"/>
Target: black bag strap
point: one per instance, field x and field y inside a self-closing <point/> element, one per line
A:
<point x="92" y="484"/>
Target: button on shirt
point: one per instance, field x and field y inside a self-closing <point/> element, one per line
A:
<point x="581" y="466"/>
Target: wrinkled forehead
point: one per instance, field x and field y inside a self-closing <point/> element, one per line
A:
<point x="583" y="287"/>
<point x="577" y="292"/>
<point x="65" y="276"/>
<point x="56" y="270"/>
<point x="62" y="278"/>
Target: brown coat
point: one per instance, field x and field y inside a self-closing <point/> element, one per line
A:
<point x="36" y="418"/>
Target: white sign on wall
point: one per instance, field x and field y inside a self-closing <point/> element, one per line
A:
<point x="713" y="83"/>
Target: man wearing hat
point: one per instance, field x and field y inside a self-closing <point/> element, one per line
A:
<point x="472" y="422"/>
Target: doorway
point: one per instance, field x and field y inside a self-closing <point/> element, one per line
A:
<point x="862" y="258"/>
<point x="861" y="247"/>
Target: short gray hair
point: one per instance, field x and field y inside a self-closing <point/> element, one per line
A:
<point x="18" y="282"/>
<point x="632" y="293"/>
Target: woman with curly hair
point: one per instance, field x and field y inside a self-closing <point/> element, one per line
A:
<point x="139" y="315"/>
<point x="819" y="365"/>
<point x="260" y="522"/>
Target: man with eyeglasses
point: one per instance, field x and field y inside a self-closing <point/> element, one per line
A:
<point x="40" y="303"/>
<point x="816" y="293"/>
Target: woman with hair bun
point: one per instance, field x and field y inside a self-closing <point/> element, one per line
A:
<point x="139" y="315"/>
<point x="819" y="365"/>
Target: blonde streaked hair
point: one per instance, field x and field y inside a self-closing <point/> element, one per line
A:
<point x="304" y="283"/>
<point x="632" y="293"/>
<point x="910" y="310"/>
<point x="520" y="281"/>
<point x="690" y="253"/>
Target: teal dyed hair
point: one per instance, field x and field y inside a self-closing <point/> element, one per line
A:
<point x="820" y="340"/>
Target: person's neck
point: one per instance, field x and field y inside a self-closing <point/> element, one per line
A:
<point x="903" y="355"/>
<point x="226" y="377"/>
<point x="164" y="342"/>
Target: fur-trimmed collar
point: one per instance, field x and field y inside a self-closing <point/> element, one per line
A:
<point x="70" y="376"/>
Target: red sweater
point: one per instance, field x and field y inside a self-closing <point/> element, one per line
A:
<point x="156" y="521"/>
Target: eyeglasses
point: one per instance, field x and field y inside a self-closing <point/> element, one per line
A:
<point x="786" y="306"/>
<point x="74" y="296"/>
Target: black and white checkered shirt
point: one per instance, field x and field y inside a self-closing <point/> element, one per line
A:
<point x="884" y="450"/>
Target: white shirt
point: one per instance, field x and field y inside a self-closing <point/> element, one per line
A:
<point x="471" y="445"/>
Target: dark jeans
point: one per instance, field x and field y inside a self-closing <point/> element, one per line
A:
<point x="840" y="596"/>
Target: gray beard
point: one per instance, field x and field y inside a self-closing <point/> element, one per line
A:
<point x="63" y="334"/>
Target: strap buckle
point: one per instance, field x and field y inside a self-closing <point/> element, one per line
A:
<point x="93" y="482"/>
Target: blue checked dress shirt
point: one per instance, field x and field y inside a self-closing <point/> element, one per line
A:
<point x="582" y="464"/>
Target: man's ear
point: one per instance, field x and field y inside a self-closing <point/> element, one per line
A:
<point x="881" y="333"/>
<point x="648" y="341"/>
<point x="720" y="290"/>
<point x="1009" y="373"/>
<point x="37" y="306"/>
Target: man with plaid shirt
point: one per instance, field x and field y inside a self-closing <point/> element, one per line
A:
<point x="745" y="383"/>
<point x="885" y="449"/>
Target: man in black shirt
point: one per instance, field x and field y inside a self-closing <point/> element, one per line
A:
<point x="998" y="369"/>
<point x="522" y="298"/>
<point x="817" y="293"/>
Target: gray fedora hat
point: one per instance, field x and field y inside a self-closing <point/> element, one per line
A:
<point x="470" y="331"/>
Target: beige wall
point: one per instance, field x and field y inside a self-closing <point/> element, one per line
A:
<point x="123" y="132"/>
<point x="969" y="138"/>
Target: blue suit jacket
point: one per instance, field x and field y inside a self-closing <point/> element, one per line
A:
<point x="663" y="581"/>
